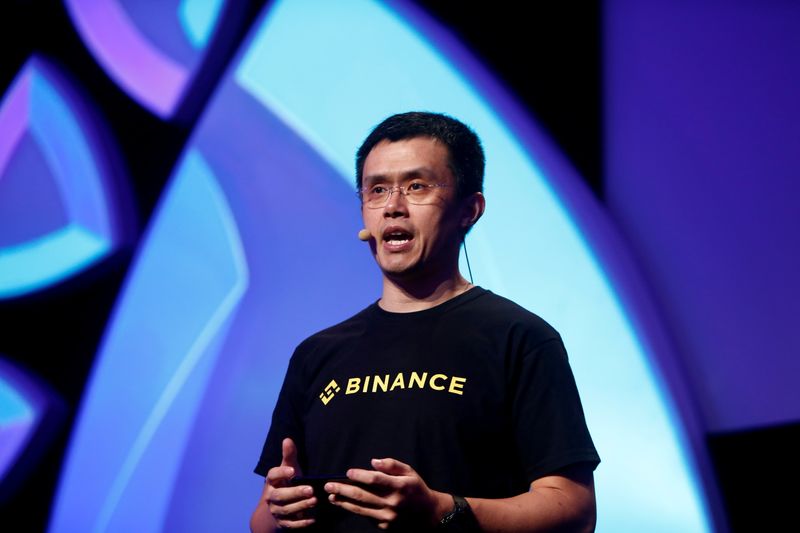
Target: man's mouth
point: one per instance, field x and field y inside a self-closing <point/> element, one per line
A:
<point x="397" y="237"/>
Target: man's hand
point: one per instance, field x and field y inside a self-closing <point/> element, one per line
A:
<point x="391" y="493"/>
<point x="288" y="505"/>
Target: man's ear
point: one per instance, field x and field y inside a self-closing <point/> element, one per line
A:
<point x="473" y="207"/>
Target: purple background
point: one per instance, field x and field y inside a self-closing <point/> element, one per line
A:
<point x="702" y="158"/>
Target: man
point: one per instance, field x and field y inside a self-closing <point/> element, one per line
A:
<point x="443" y="406"/>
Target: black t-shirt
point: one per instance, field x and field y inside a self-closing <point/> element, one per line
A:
<point x="475" y="394"/>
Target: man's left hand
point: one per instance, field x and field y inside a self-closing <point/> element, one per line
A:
<point x="391" y="493"/>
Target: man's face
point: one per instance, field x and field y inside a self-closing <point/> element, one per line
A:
<point x="409" y="239"/>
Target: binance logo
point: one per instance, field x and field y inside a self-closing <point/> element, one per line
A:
<point x="330" y="389"/>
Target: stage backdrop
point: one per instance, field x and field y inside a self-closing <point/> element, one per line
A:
<point x="252" y="247"/>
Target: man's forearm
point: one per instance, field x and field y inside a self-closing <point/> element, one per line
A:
<point x="554" y="503"/>
<point x="532" y="511"/>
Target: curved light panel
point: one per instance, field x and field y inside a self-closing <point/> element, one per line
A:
<point x="19" y="415"/>
<point x="55" y="217"/>
<point x="278" y="139"/>
<point x="151" y="49"/>
<point x="24" y="404"/>
<point x="155" y="362"/>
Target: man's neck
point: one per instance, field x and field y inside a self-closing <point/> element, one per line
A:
<point x="404" y="296"/>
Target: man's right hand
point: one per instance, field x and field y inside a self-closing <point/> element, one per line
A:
<point x="289" y="506"/>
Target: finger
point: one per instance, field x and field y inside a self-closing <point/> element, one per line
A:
<point x="382" y="514"/>
<point x="289" y="451"/>
<point x="392" y="467"/>
<point x="347" y="492"/>
<point x="282" y="496"/>
<point x="294" y="524"/>
<point x="293" y="510"/>
<point x="373" y="481"/>
<point x="279" y="475"/>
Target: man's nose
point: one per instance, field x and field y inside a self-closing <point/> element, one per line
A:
<point x="396" y="203"/>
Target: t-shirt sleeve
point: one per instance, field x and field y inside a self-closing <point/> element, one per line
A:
<point x="286" y="421"/>
<point x="549" y="424"/>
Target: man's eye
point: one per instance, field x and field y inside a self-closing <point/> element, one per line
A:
<point x="416" y="186"/>
<point x="377" y="189"/>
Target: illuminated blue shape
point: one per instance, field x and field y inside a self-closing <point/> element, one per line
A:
<point x="17" y="420"/>
<point x="148" y="75"/>
<point x="44" y="261"/>
<point x="13" y="409"/>
<point x="530" y="248"/>
<point x="137" y="58"/>
<point x="198" y="18"/>
<point x="41" y="104"/>
<point x="155" y="361"/>
<point x="23" y="405"/>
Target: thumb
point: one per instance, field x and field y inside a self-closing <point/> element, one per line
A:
<point x="393" y="467"/>
<point x="289" y="451"/>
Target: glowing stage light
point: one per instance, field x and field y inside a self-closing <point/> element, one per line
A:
<point x="56" y="215"/>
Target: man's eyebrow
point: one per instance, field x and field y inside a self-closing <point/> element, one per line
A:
<point x="375" y="178"/>
<point x="419" y="172"/>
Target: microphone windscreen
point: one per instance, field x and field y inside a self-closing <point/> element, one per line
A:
<point x="364" y="234"/>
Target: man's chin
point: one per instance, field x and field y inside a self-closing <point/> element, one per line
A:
<point x="400" y="270"/>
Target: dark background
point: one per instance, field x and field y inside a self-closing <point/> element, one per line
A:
<point x="547" y="54"/>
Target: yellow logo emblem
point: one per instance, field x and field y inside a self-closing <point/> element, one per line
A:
<point x="330" y="389"/>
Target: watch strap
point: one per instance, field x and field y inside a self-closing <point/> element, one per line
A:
<point x="460" y="518"/>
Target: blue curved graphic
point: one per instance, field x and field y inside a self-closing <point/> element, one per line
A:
<point x="24" y="402"/>
<point x="152" y="50"/>
<point x="155" y="362"/>
<point x="18" y="416"/>
<point x="275" y="148"/>
<point x="49" y="148"/>
<point x="198" y="18"/>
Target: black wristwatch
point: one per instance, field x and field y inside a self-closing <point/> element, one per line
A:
<point x="460" y="518"/>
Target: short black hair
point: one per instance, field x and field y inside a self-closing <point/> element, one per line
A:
<point x="466" y="159"/>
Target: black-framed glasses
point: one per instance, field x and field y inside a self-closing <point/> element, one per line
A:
<point x="376" y="196"/>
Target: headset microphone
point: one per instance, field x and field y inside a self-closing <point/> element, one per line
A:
<point x="364" y="234"/>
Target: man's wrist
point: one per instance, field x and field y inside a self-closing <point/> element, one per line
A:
<point x="459" y="518"/>
<point x="443" y="505"/>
